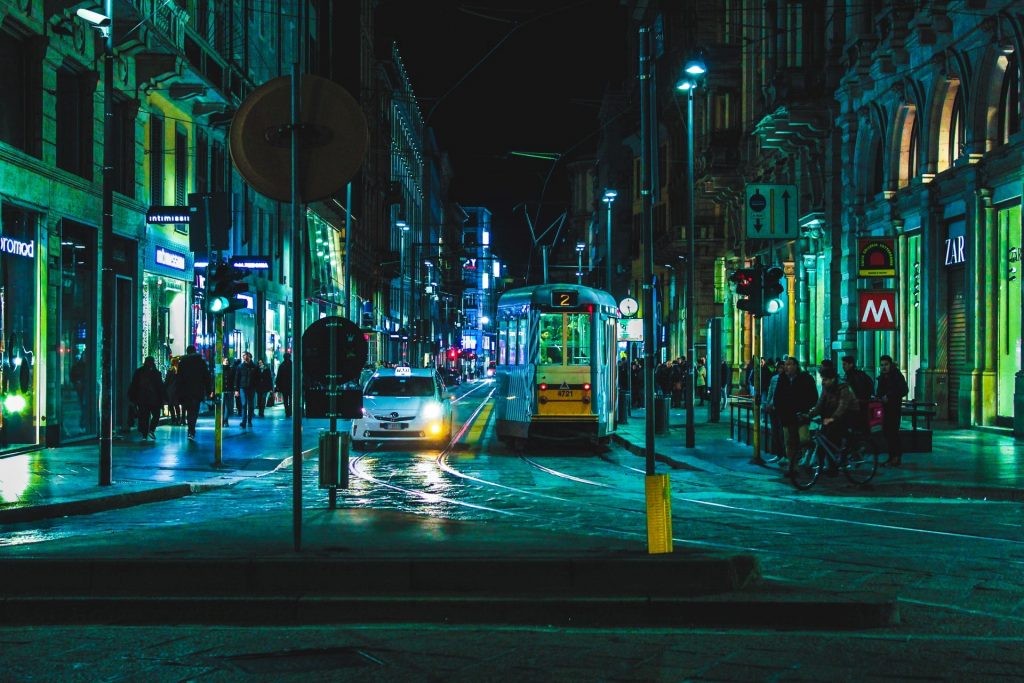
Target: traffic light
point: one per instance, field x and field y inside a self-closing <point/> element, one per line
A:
<point x="772" y="296"/>
<point x="223" y="287"/>
<point x="453" y="353"/>
<point x="748" y="287"/>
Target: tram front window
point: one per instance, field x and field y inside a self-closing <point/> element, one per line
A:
<point x="565" y="339"/>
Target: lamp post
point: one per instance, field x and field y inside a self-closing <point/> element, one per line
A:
<point x="694" y="70"/>
<point x="403" y="228"/>
<point x="609" y="197"/>
<point x="580" y="246"/>
<point x="104" y="23"/>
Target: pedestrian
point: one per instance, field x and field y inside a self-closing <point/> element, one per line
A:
<point x="228" y="390"/>
<point x="146" y="392"/>
<point x="245" y="388"/>
<point x="749" y="376"/>
<point x="767" y="371"/>
<point x="283" y="383"/>
<point x="638" y="383"/>
<point x="776" y="442"/>
<point x="193" y="385"/>
<point x="701" y="376"/>
<point x="837" y="406"/>
<point x="237" y="399"/>
<point x="891" y="387"/>
<point x="171" y="392"/>
<point x="795" y="392"/>
<point x="677" y="372"/>
<point x="862" y="385"/>
<point x="264" y="384"/>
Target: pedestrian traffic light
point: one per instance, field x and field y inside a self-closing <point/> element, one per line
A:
<point x="223" y="288"/>
<point x="773" y="302"/>
<point x="748" y="287"/>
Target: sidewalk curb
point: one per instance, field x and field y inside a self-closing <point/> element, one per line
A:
<point x="897" y="488"/>
<point x="103" y="502"/>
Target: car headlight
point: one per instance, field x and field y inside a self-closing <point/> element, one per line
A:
<point x="432" y="410"/>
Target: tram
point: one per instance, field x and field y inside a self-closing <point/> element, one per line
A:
<point x="555" y="371"/>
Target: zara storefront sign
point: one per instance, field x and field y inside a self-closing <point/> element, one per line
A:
<point x="171" y="259"/>
<point x="955" y="250"/>
<point x="17" y="247"/>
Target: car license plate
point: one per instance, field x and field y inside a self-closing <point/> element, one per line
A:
<point x="393" y="425"/>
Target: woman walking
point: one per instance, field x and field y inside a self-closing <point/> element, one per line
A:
<point x="264" y="384"/>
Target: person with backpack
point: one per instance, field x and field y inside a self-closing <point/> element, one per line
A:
<point x="146" y="392"/>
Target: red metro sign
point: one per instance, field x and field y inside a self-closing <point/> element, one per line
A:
<point x="877" y="309"/>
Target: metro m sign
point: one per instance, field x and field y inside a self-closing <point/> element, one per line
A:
<point x="877" y="309"/>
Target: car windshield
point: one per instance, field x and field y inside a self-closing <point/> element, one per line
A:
<point x="400" y="386"/>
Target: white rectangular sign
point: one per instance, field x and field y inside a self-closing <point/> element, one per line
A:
<point x="772" y="212"/>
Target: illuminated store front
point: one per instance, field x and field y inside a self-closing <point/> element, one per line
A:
<point x="20" y="409"/>
<point x="165" y="303"/>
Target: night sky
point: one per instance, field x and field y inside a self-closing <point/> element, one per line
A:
<point x="539" y="91"/>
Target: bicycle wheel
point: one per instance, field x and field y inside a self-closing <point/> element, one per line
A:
<point x="806" y="467"/>
<point x="862" y="462"/>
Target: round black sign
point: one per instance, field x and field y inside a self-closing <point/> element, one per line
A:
<point x="334" y="350"/>
<point x="757" y="202"/>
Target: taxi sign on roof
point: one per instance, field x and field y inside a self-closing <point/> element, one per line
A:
<point x="403" y="371"/>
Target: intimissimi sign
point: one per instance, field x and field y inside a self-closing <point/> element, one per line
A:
<point x="17" y="247"/>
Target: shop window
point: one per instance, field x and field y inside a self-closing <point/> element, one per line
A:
<point x="78" y="370"/>
<point x="74" y="122"/>
<point x="18" y="323"/>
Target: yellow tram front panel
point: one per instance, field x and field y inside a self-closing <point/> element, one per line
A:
<point x="564" y="392"/>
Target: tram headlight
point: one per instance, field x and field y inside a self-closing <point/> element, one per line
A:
<point x="432" y="410"/>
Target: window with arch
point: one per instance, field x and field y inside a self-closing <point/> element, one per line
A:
<point x="956" y="133"/>
<point x="1009" y="99"/>
<point x="910" y="137"/>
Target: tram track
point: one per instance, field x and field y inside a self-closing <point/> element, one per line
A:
<point x="841" y="551"/>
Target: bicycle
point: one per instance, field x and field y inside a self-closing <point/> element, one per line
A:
<point x="857" y="457"/>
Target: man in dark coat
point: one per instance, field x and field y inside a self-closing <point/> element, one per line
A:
<point x="245" y="388"/>
<point x="863" y="386"/>
<point x="147" y="393"/>
<point x="795" y="392"/>
<point x="891" y="388"/>
<point x="283" y="383"/>
<point x="194" y="383"/>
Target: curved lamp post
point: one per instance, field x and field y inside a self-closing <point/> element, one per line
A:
<point x="692" y="72"/>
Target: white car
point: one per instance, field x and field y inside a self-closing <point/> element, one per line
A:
<point x="404" y="404"/>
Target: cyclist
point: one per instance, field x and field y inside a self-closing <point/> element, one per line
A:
<point x="837" y="406"/>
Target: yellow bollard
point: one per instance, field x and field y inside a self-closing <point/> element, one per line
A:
<point x="659" y="514"/>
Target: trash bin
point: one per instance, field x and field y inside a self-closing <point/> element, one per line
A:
<point x="661" y="404"/>
<point x="333" y="460"/>
<point x="624" y="403"/>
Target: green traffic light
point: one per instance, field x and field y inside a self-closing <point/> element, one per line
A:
<point x="14" y="403"/>
<point x="218" y="304"/>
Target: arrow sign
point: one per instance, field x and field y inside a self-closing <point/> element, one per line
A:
<point x="773" y="207"/>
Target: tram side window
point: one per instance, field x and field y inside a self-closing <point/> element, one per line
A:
<point x="551" y="339"/>
<point x="577" y="341"/>
<point x="521" y="325"/>
<point x="503" y="342"/>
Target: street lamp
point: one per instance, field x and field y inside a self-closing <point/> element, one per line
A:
<point x="104" y="23"/>
<point x="403" y="228"/>
<point x="694" y="70"/>
<point x="580" y="246"/>
<point x="609" y="197"/>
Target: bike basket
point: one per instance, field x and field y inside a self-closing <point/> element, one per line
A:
<point x="875" y="415"/>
